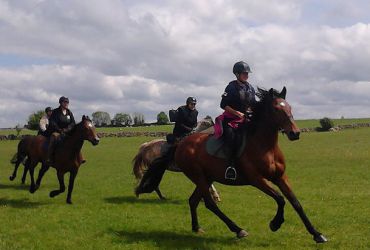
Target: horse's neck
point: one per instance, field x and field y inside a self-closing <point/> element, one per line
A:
<point x="75" y="141"/>
<point x="265" y="135"/>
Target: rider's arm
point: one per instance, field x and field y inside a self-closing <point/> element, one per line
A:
<point x="71" y="124"/>
<point x="42" y="124"/>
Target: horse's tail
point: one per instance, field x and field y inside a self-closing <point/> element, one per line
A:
<point x="21" y="153"/>
<point x="138" y="166"/>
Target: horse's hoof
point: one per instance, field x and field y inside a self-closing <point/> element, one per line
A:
<point x="242" y="233"/>
<point x="163" y="198"/>
<point x="320" y="238"/>
<point x="53" y="193"/>
<point x="32" y="190"/>
<point x="11" y="178"/>
<point x="69" y="202"/>
<point x="275" y="226"/>
<point x="199" y="231"/>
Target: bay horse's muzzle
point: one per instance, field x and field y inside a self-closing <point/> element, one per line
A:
<point x="293" y="135"/>
<point x="95" y="141"/>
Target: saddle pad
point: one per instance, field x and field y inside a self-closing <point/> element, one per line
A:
<point x="216" y="147"/>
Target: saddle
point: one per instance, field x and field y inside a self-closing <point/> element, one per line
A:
<point x="217" y="148"/>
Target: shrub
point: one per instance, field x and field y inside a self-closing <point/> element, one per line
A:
<point x="326" y="124"/>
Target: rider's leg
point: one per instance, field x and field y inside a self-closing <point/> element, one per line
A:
<point x="53" y="138"/>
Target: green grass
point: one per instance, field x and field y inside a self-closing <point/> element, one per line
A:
<point x="329" y="173"/>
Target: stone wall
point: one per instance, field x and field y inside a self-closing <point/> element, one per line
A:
<point x="163" y="134"/>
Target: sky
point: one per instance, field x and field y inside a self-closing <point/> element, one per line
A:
<point x="124" y="56"/>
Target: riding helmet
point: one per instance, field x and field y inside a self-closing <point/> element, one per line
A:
<point x="241" y="67"/>
<point x="63" y="99"/>
<point x="191" y="99"/>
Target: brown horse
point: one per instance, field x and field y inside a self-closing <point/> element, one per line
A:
<point x="151" y="150"/>
<point x="261" y="162"/>
<point x="67" y="156"/>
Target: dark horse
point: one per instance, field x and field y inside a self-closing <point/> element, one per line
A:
<point x="151" y="150"/>
<point x="67" y="156"/>
<point x="261" y="162"/>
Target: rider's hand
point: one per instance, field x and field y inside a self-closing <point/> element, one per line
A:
<point x="239" y="114"/>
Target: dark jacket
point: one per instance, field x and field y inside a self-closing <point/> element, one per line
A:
<point x="186" y="121"/>
<point x="238" y="97"/>
<point x="58" y="122"/>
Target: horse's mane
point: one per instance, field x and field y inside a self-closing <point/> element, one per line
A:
<point x="259" y="107"/>
<point x="78" y="125"/>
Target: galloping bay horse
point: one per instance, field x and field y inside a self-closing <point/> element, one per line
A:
<point x="261" y="162"/>
<point x="151" y="150"/>
<point x="67" y="156"/>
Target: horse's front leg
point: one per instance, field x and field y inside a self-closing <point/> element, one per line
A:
<point x="265" y="186"/>
<point x="72" y="177"/>
<point x="284" y="186"/>
<point x="62" y="187"/>
<point x="43" y="170"/>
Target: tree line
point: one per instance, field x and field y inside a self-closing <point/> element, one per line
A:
<point x="103" y="119"/>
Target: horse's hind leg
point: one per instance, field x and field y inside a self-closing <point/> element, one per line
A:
<point x="212" y="206"/>
<point x="43" y="170"/>
<point x="62" y="187"/>
<point x="159" y="193"/>
<point x="72" y="177"/>
<point x="284" y="186"/>
<point x="30" y="165"/>
<point x="193" y="203"/>
<point x="12" y="177"/>
<point x="24" y="173"/>
<point x="263" y="185"/>
<point x="214" y="193"/>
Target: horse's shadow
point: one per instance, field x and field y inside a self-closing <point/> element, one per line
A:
<point x="170" y="240"/>
<point x="133" y="199"/>
<point x="15" y="187"/>
<point x="20" y="203"/>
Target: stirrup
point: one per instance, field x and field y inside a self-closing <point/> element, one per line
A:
<point x="230" y="173"/>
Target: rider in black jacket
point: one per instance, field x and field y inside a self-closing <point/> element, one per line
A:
<point x="238" y="97"/>
<point x="186" y="119"/>
<point x="61" y="123"/>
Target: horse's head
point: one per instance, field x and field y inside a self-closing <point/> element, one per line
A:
<point x="88" y="131"/>
<point x="279" y="112"/>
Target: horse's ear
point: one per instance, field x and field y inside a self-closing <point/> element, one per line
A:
<point x="83" y="117"/>
<point x="271" y="93"/>
<point x="283" y="93"/>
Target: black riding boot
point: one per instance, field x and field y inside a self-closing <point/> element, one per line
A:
<point x="230" y="140"/>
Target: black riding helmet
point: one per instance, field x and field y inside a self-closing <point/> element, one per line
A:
<point x="241" y="67"/>
<point x="48" y="109"/>
<point x="191" y="99"/>
<point x="63" y="99"/>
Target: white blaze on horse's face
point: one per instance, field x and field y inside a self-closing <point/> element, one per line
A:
<point x="90" y="125"/>
<point x="282" y="104"/>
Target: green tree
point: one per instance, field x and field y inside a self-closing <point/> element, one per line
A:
<point x="122" y="119"/>
<point x="326" y="124"/>
<point x="138" y="119"/>
<point x="34" y="120"/>
<point x="101" y="118"/>
<point x="162" y="118"/>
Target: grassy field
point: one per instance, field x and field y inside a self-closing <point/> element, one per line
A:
<point x="329" y="172"/>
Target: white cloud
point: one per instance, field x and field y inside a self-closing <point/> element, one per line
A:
<point x="129" y="56"/>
